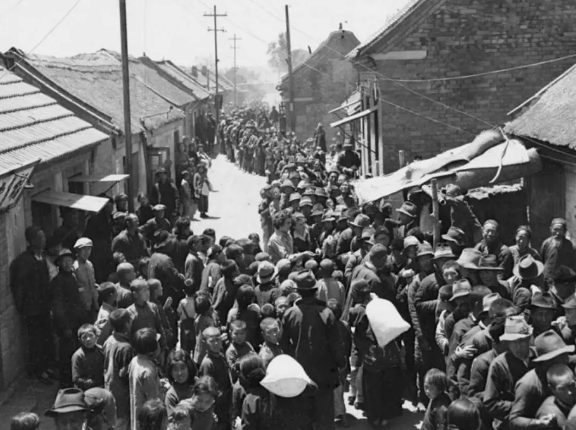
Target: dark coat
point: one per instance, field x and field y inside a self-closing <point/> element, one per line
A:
<point x="166" y="194"/>
<point x="88" y="368"/>
<point x="531" y="391"/>
<point x="162" y="267"/>
<point x="210" y="276"/>
<point x="193" y="268"/>
<point x="504" y="372"/>
<point x="132" y="246"/>
<point x="30" y="284"/>
<point x="314" y="339"/>
<point x="425" y="302"/>
<point x="479" y="374"/>
<point x="503" y="255"/>
<point x="382" y="287"/>
<point x="551" y="406"/>
<point x="67" y="305"/>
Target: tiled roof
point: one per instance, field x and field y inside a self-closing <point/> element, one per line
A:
<point x="336" y="46"/>
<point x="183" y="78"/>
<point x="413" y="11"/>
<point x="34" y="126"/>
<point x="550" y="115"/>
<point x="97" y="80"/>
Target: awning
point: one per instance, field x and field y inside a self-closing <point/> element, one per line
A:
<point x="98" y="178"/>
<point x="69" y="200"/>
<point x="353" y="117"/>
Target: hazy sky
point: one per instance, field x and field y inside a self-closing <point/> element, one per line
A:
<point x="177" y="29"/>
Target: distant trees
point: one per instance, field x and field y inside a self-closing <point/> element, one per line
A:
<point x="278" y="54"/>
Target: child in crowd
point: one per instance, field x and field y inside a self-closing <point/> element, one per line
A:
<point x="346" y="336"/>
<point x="202" y="403"/>
<point x="126" y="275"/>
<point x="255" y="238"/>
<point x="282" y="304"/>
<point x="214" y="365"/>
<point x="152" y="416"/>
<point x="88" y="360"/>
<point x="328" y="287"/>
<point x="272" y="333"/>
<point x="181" y="373"/>
<point x="204" y="319"/>
<point x="25" y="421"/>
<point x="145" y="314"/>
<point x="186" y="315"/>
<point x="238" y="346"/>
<point x="107" y="297"/>
<point x="156" y="292"/>
<point x="144" y="378"/>
<point x="118" y="354"/>
<point x="84" y="272"/>
<point x="258" y="410"/>
<point x="245" y="297"/>
<point x="436" y="386"/>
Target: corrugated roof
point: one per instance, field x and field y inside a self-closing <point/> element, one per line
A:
<point x="411" y="8"/>
<point x="336" y="46"/>
<point x="34" y="126"/>
<point x="97" y="80"/>
<point x="183" y="78"/>
<point x="550" y="116"/>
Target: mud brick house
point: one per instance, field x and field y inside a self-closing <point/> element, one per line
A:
<point x="432" y="47"/>
<point x="44" y="148"/>
<point x="321" y="83"/>
<point x="94" y="81"/>
<point x="547" y="121"/>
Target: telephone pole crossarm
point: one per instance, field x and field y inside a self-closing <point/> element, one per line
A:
<point x="216" y="15"/>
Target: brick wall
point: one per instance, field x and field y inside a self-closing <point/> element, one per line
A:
<point x="570" y="175"/>
<point x="470" y="37"/>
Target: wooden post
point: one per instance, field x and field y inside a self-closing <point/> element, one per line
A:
<point x="401" y="158"/>
<point x="435" y="212"/>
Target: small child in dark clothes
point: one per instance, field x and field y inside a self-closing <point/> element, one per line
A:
<point x="88" y="360"/>
<point x="204" y="319"/>
<point x="346" y="336"/>
<point x="436" y="386"/>
<point x="186" y="316"/>
<point x="238" y="346"/>
<point x="214" y="364"/>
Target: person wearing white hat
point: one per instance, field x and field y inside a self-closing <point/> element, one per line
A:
<point x="84" y="272"/>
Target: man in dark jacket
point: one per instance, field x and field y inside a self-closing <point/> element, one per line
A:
<point x="320" y="137"/>
<point x="130" y="242"/>
<point x="99" y="230"/>
<point x="491" y="244"/>
<point x="348" y="161"/>
<point x="30" y="287"/>
<point x="162" y="267"/>
<point x="314" y="341"/>
<point x="374" y="272"/>
<point x="165" y="193"/>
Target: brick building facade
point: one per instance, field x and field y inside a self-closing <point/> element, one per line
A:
<point x="435" y="39"/>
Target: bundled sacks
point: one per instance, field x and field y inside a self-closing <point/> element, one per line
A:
<point x="385" y="321"/>
<point x="285" y="377"/>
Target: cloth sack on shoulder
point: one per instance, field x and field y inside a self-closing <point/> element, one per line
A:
<point x="285" y="377"/>
<point x="385" y="321"/>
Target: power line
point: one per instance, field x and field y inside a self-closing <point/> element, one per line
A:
<point x="14" y="6"/>
<point x="44" y="38"/>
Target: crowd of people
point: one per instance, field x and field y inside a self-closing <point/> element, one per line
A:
<point x="153" y="325"/>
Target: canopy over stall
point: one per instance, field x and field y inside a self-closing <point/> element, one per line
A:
<point x="490" y="159"/>
<point x="70" y="200"/>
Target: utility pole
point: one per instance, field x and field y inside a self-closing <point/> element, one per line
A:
<point x="126" y="91"/>
<point x="235" y="69"/>
<point x="290" y="77"/>
<point x="216" y="30"/>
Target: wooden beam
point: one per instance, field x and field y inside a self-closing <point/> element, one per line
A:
<point x="400" y="55"/>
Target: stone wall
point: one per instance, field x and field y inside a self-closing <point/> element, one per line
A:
<point x="466" y="37"/>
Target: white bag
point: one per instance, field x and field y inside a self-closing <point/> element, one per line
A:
<point x="285" y="377"/>
<point x="385" y="321"/>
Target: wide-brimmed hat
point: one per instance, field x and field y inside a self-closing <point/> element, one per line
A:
<point x="461" y="288"/>
<point x="368" y="235"/>
<point x="302" y="185"/>
<point x="528" y="268"/>
<point x="64" y="253"/>
<point x="564" y="275"/>
<point x="488" y="300"/>
<point x="425" y="249"/>
<point x="288" y="183"/>
<point x="550" y="345"/>
<point x="361" y="221"/>
<point x="469" y="258"/>
<point x="328" y="216"/>
<point x="411" y="241"/>
<point x="443" y="251"/>
<point x="305" y="201"/>
<point x="489" y="262"/>
<point x="67" y="400"/>
<point x="317" y="210"/>
<point x="516" y="328"/>
<point x="570" y="303"/>
<point x="83" y="242"/>
<point x="543" y="300"/>
<point x="309" y="192"/>
<point x="408" y="208"/>
<point x="456" y="235"/>
<point x="158" y="208"/>
<point x="321" y="192"/>
<point x="266" y="272"/>
<point x="305" y="280"/>
<point x="294" y="197"/>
